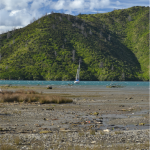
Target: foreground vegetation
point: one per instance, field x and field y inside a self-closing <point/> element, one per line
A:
<point x="110" y="46"/>
<point x="31" y="96"/>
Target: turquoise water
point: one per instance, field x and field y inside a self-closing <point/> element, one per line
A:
<point x="85" y="84"/>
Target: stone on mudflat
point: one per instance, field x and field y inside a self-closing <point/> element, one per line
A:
<point x="93" y="142"/>
<point x="49" y="87"/>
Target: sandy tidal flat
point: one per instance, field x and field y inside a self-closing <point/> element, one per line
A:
<point x="97" y="119"/>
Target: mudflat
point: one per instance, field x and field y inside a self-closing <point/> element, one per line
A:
<point x="113" y="118"/>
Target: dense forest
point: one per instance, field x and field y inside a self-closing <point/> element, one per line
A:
<point x="110" y="46"/>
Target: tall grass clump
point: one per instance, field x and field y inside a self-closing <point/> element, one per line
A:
<point x="31" y="96"/>
<point x="7" y="147"/>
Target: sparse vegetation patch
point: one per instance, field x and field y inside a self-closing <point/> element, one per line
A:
<point x="31" y="96"/>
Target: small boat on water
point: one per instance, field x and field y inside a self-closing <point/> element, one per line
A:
<point x="76" y="81"/>
<point x="77" y="75"/>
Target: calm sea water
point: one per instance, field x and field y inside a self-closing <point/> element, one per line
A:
<point x="85" y="84"/>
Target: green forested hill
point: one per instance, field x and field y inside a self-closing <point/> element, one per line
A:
<point x="111" y="46"/>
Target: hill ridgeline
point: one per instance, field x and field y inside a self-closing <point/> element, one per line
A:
<point x="110" y="46"/>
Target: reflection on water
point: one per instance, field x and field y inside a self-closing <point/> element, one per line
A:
<point x="105" y="120"/>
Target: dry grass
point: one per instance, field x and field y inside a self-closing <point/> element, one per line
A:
<point x="17" y="112"/>
<point x="81" y="133"/>
<point x="37" y="148"/>
<point x="31" y="96"/>
<point x="45" y="131"/>
<point x="7" y="147"/>
<point x="118" y="132"/>
<point x="17" y="140"/>
<point x="102" y="132"/>
<point x="92" y="132"/>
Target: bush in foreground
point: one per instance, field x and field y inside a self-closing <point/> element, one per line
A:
<point x="31" y="96"/>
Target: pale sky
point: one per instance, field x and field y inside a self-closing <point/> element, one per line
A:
<point x="18" y="13"/>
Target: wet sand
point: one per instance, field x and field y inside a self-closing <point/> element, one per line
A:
<point x="97" y="117"/>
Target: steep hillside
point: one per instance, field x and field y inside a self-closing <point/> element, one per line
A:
<point x="111" y="46"/>
<point x="131" y="27"/>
